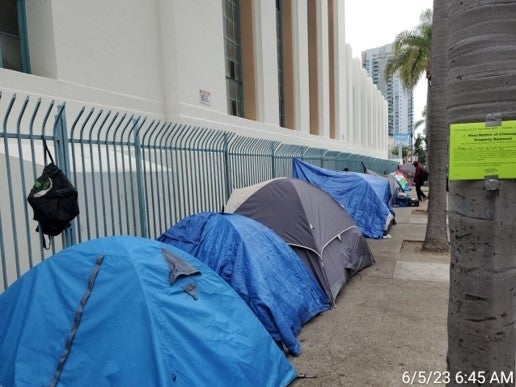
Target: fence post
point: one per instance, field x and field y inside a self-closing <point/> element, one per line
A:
<point x="273" y="158"/>
<point x="140" y="180"/>
<point x="62" y="155"/>
<point x="226" y="166"/>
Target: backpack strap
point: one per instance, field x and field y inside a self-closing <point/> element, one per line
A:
<point x="43" y="240"/>
<point x="47" y="151"/>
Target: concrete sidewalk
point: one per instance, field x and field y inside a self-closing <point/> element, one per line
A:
<point x="390" y="319"/>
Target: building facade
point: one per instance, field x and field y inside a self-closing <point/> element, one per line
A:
<point x="265" y="68"/>
<point x="399" y="99"/>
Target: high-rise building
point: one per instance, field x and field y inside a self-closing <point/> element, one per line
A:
<point x="399" y="100"/>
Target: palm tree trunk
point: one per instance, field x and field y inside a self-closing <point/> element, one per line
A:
<point x="482" y="308"/>
<point x="436" y="238"/>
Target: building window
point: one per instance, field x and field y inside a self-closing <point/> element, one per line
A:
<point x="279" y="48"/>
<point x="13" y="36"/>
<point x="232" y="50"/>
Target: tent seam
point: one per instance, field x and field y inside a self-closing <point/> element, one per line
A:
<point x="76" y="321"/>
<point x="340" y="233"/>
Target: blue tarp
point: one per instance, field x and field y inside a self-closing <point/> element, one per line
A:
<point x="402" y="180"/>
<point x="259" y="265"/>
<point x="135" y="327"/>
<point x="365" y="197"/>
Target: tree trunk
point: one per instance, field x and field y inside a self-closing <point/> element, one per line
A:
<point x="436" y="238"/>
<point x="482" y="308"/>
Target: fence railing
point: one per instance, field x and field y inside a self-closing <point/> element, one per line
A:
<point x="134" y="175"/>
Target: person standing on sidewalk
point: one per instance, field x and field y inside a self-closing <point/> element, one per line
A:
<point x="419" y="180"/>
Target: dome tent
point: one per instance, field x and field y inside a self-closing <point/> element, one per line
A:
<point x="365" y="197"/>
<point x="259" y="265"/>
<point x="312" y="223"/>
<point x="131" y="311"/>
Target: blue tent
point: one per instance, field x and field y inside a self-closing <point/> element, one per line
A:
<point x="365" y="197"/>
<point x="126" y="311"/>
<point x="259" y="265"/>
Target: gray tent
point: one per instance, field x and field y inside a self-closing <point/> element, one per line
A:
<point x="408" y="169"/>
<point x="318" y="228"/>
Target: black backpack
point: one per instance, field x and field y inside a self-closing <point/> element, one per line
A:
<point x="53" y="199"/>
<point x="424" y="175"/>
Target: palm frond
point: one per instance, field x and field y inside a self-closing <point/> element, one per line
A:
<point x="411" y="52"/>
<point x="418" y="123"/>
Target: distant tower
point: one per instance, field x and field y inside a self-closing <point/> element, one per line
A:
<point x="399" y="99"/>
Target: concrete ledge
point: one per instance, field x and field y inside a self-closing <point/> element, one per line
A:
<point x="422" y="271"/>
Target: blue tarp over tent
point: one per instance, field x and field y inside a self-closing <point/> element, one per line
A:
<point x="365" y="197"/>
<point x="259" y="265"/>
<point x="126" y="311"/>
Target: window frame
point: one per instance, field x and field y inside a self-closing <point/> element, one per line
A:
<point x="22" y="36"/>
<point x="234" y="78"/>
<point x="279" y="50"/>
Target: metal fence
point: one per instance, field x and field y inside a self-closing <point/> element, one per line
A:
<point x="134" y="175"/>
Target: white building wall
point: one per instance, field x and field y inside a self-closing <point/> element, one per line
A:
<point x="111" y="45"/>
<point x="366" y="111"/>
<point x="300" y="64"/>
<point x="372" y="118"/>
<point x="382" y="134"/>
<point x="41" y="38"/>
<point x="374" y="125"/>
<point x="358" y="105"/>
<point x="366" y="94"/>
<point x="355" y="103"/>
<point x="154" y="58"/>
<point x="381" y="130"/>
<point x="370" y="115"/>
<point x="323" y="68"/>
<point x="340" y="79"/>
<point x="266" y="66"/>
<point x="193" y="54"/>
<point x="348" y="79"/>
<point x="385" y="121"/>
<point x="363" y="109"/>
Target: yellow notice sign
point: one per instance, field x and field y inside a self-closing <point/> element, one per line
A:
<point x="477" y="151"/>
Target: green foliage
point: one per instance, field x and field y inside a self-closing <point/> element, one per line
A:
<point x="420" y="148"/>
<point x="411" y="52"/>
<point x="405" y="151"/>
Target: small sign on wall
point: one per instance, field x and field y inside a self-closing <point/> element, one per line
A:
<point x="477" y="151"/>
<point x="204" y="97"/>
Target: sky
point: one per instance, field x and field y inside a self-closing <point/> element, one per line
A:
<point x="375" y="23"/>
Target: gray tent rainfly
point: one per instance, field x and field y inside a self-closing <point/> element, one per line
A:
<point x="317" y="228"/>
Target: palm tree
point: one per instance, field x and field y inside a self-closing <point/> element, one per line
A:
<point x="412" y="56"/>
<point x="417" y="124"/>
<point x="420" y="148"/>
<point x="436" y="237"/>
<point x="482" y="309"/>
<point x="411" y="52"/>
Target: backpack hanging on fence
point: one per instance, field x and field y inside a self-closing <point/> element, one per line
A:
<point x="53" y="199"/>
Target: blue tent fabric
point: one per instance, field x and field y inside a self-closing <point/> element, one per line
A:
<point x="132" y="327"/>
<point x="365" y="197"/>
<point x="259" y="265"/>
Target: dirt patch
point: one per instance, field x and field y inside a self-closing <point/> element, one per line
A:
<point x="408" y="247"/>
<point x="420" y="212"/>
<point x="411" y="247"/>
